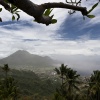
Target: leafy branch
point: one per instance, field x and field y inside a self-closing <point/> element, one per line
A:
<point x="42" y="12"/>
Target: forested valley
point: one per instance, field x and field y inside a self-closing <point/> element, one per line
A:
<point x="65" y="84"/>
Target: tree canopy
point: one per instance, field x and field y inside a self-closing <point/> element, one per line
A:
<point x="41" y="12"/>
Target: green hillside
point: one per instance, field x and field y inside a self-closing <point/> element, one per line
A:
<point x="31" y="85"/>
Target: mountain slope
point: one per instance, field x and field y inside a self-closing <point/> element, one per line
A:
<point x="24" y="58"/>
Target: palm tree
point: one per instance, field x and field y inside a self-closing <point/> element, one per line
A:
<point x="69" y="79"/>
<point x="71" y="82"/>
<point x="8" y="86"/>
<point x="6" y="69"/>
<point x="61" y="72"/>
<point x="94" y="86"/>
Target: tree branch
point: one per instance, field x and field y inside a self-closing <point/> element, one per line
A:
<point x="4" y="4"/>
<point x="37" y="10"/>
<point x="66" y="6"/>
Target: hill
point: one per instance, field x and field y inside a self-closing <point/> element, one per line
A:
<point x="23" y="59"/>
<point x="31" y="85"/>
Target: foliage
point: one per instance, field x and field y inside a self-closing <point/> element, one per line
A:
<point x="8" y="86"/>
<point x="89" y="88"/>
<point x="93" y="7"/>
<point x="47" y="13"/>
<point x="69" y="85"/>
<point x="47" y="19"/>
<point x="31" y="85"/>
<point x="69" y="82"/>
<point x="13" y="10"/>
<point x="94" y="86"/>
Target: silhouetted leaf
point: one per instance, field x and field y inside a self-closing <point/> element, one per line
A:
<point x="48" y="11"/>
<point x="0" y="9"/>
<point x="52" y="16"/>
<point x="0" y="19"/>
<point x="95" y="5"/>
<point x="13" y="18"/>
<point x="90" y="16"/>
<point x="54" y="21"/>
<point x="18" y="16"/>
<point x="57" y="71"/>
<point x="15" y="9"/>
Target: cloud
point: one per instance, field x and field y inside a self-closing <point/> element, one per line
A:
<point x="85" y="65"/>
<point x="74" y="28"/>
<point x="74" y="41"/>
<point x="71" y="35"/>
<point x="44" y="41"/>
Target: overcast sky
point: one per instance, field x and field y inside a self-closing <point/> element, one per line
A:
<point x="71" y="35"/>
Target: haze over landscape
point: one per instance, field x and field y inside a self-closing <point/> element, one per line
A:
<point x="22" y="59"/>
<point x="73" y="41"/>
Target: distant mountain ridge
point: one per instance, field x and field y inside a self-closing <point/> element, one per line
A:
<point x="24" y="58"/>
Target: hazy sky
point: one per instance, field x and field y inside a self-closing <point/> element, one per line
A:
<point x="71" y="35"/>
